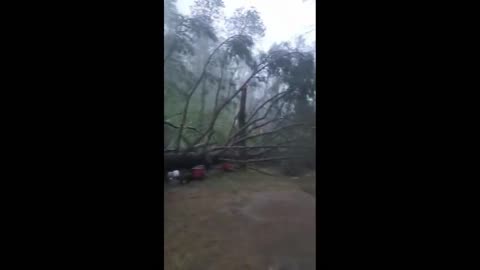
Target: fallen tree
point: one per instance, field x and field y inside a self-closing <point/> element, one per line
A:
<point x="273" y="131"/>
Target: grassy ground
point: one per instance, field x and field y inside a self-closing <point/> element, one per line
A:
<point x="245" y="220"/>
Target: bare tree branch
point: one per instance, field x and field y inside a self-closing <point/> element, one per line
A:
<point x="273" y="98"/>
<point x="192" y="91"/>
<point x="251" y="122"/>
<point x="261" y="66"/>
<point x="257" y="70"/>
<point x="232" y="128"/>
<point x="259" y="160"/>
<point x="286" y="142"/>
<point x="266" y="123"/>
<point x="222" y="69"/>
<point x="187" y="127"/>
<point x="259" y="147"/>
<point x="170" y="117"/>
<point x="226" y="102"/>
<point x="266" y="133"/>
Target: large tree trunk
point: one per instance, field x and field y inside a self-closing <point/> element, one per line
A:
<point x="201" y="116"/>
<point x="242" y="117"/>
<point x="178" y="161"/>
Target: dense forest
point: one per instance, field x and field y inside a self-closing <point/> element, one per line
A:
<point x="227" y="100"/>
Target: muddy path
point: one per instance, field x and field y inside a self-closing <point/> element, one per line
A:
<point x="241" y="221"/>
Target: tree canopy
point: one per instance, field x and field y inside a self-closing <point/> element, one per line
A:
<point x="227" y="100"/>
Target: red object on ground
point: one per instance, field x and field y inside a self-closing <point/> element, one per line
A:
<point x="198" y="172"/>
<point x="227" y="167"/>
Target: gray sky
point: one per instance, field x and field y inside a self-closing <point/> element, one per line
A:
<point x="283" y="19"/>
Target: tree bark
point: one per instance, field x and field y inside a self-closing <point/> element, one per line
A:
<point x="242" y="117"/>
<point x="201" y="116"/>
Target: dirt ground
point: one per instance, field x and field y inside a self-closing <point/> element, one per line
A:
<point x="241" y="220"/>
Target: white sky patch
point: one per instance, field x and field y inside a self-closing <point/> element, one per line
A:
<point x="284" y="19"/>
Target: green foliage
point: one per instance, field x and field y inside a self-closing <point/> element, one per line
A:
<point x="296" y="70"/>
<point x="170" y="13"/>
<point x="209" y="10"/>
<point x="241" y="47"/>
<point x="183" y="31"/>
<point x="189" y="40"/>
<point x="246" y="22"/>
<point x="200" y="27"/>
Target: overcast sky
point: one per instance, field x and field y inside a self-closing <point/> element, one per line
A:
<point x="284" y="19"/>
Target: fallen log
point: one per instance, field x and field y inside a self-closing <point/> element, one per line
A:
<point x="179" y="160"/>
<point x="176" y="161"/>
<point x="257" y="160"/>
